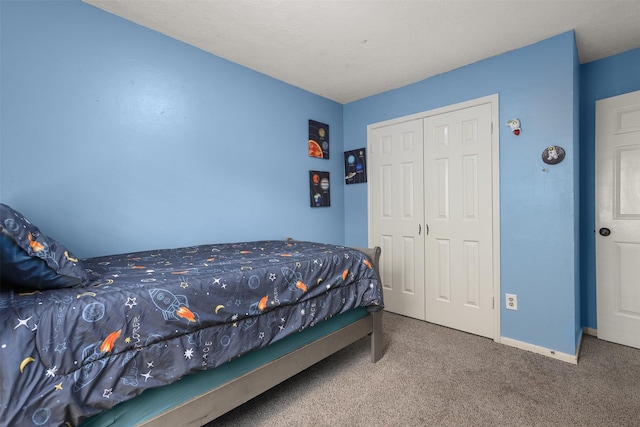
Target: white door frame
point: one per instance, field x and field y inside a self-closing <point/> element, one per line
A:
<point x="495" y="166"/>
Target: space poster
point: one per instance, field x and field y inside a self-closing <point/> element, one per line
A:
<point x="318" y="140"/>
<point x="319" y="189"/>
<point x="355" y="166"/>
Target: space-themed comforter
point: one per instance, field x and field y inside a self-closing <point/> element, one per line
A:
<point x="149" y="318"/>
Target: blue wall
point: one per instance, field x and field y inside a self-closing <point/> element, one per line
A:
<point x="601" y="79"/>
<point x="539" y="212"/>
<point x="116" y="138"/>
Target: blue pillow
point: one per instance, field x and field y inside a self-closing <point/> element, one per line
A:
<point x="30" y="259"/>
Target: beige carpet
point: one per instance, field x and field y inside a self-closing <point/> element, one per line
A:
<point x="434" y="376"/>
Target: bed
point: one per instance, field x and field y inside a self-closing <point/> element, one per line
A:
<point x="173" y="336"/>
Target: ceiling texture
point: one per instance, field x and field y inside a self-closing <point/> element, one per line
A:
<point x="346" y="50"/>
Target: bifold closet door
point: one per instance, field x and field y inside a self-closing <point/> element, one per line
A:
<point x="396" y="214"/>
<point x="458" y="213"/>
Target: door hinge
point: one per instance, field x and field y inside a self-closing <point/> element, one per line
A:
<point x="493" y="303"/>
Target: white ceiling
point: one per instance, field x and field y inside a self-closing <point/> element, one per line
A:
<point x="346" y="50"/>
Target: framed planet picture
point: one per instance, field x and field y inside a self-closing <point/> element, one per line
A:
<point x="318" y="140"/>
<point x="319" y="191"/>
<point x="355" y="166"/>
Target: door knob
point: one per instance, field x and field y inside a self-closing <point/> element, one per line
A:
<point x="604" y="231"/>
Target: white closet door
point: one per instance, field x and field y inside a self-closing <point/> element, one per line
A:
<point x="434" y="211"/>
<point x="396" y="214"/>
<point x="458" y="213"/>
<point x="618" y="218"/>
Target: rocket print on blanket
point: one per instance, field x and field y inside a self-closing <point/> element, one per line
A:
<point x="172" y="307"/>
<point x="92" y="355"/>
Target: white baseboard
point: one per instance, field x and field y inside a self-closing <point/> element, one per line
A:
<point x="565" y="357"/>
<point x="590" y="331"/>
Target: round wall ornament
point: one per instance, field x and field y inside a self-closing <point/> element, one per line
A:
<point x="553" y="155"/>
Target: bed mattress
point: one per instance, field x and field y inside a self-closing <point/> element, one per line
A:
<point x="149" y="318"/>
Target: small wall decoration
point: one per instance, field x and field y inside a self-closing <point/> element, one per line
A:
<point x="355" y="166"/>
<point x="552" y="155"/>
<point x="319" y="189"/>
<point x="318" y="140"/>
<point x="514" y="124"/>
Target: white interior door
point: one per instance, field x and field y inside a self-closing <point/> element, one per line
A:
<point x="459" y="216"/>
<point x="396" y="214"/>
<point x="618" y="218"/>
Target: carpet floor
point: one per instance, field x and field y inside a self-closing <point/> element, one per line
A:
<point x="434" y="376"/>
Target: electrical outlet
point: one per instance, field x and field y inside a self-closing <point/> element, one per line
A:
<point x="511" y="300"/>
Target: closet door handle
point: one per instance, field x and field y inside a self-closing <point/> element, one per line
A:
<point x="419" y="229"/>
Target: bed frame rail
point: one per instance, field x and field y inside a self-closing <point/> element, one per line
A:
<point x="220" y="400"/>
